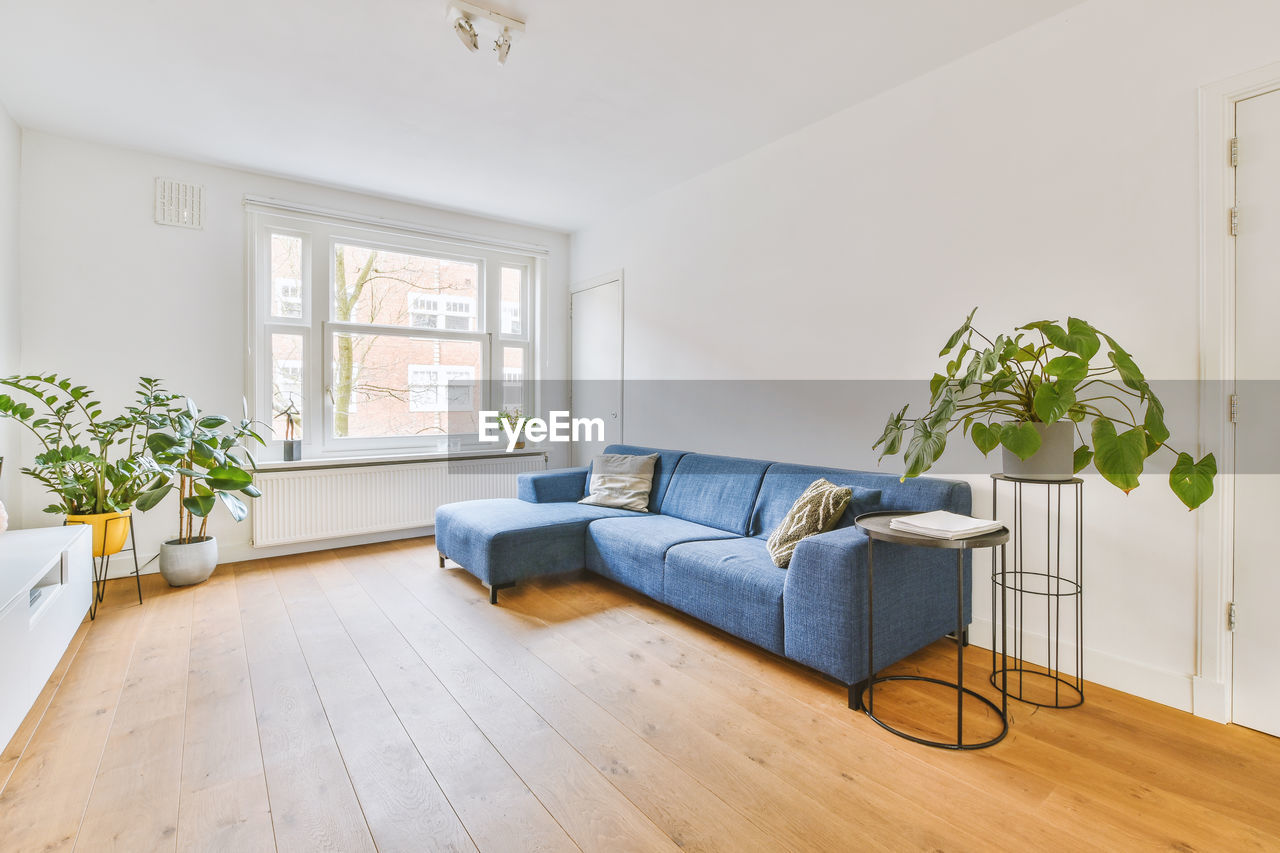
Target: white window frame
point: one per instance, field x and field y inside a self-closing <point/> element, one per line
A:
<point x="320" y="232"/>
<point x="523" y="340"/>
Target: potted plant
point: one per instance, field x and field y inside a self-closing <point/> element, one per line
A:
<point x="513" y="420"/>
<point x="292" y="449"/>
<point x="208" y="462"/>
<point x="93" y="465"/>
<point x="1031" y="393"/>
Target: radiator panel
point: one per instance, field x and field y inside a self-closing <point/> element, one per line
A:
<point x="305" y="506"/>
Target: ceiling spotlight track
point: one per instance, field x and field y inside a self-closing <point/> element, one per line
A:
<point x="465" y="16"/>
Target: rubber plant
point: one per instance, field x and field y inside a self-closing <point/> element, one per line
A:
<point x="207" y="459"/>
<point x="90" y="463"/>
<point x="994" y="389"/>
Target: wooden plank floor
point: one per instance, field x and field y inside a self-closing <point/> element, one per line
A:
<point x="365" y="699"/>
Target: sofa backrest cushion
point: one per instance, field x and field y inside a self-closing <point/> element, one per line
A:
<point x="718" y="491"/>
<point x="784" y="483"/>
<point x="662" y="471"/>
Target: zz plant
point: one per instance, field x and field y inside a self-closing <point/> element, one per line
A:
<point x="90" y="463"/>
<point x="206" y="458"/>
<point x="995" y="389"/>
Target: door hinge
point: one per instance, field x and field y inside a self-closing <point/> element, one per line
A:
<point x="1234" y="414"/>
<point x="1235" y="222"/>
<point x="1231" y="616"/>
<point x="1235" y="151"/>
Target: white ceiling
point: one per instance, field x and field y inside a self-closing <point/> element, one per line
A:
<point x="602" y="102"/>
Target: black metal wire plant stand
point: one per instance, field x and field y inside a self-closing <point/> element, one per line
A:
<point x="102" y="563"/>
<point x="1058" y="582"/>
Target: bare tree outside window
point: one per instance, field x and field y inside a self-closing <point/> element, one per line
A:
<point x="386" y="288"/>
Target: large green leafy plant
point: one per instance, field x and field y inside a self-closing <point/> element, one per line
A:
<point x="207" y="459"/>
<point x="995" y="390"/>
<point x="90" y="463"/>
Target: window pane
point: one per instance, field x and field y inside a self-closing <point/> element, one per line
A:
<point x="400" y="289"/>
<point x="513" y="376"/>
<point x="286" y="385"/>
<point x="513" y="322"/>
<point x="387" y="385"/>
<point x="286" y="276"/>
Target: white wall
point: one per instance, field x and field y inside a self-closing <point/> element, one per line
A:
<point x="1054" y="172"/>
<point x="10" y="327"/>
<point x="108" y="295"/>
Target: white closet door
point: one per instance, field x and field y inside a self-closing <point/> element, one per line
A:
<point x="1256" y="641"/>
<point x="597" y="363"/>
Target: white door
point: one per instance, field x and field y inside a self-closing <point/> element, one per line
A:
<point x="596" y="313"/>
<point x="1256" y="641"/>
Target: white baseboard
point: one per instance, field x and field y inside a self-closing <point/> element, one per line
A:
<point x="1159" y="685"/>
<point x="121" y="565"/>
<point x="240" y="552"/>
<point x="1211" y="699"/>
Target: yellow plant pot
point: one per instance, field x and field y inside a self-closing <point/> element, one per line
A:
<point x="110" y="530"/>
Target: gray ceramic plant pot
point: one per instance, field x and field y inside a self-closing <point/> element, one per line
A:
<point x="1053" y="462"/>
<point x="184" y="564"/>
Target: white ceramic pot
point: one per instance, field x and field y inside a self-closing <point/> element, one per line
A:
<point x="1053" y="462"/>
<point x="187" y="563"/>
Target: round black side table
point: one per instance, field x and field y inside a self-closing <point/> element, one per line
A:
<point x="876" y="526"/>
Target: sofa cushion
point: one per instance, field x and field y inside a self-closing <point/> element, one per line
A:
<point x="505" y="539"/>
<point x="784" y="483"/>
<point x="544" y="487"/>
<point x="621" y="480"/>
<point x="718" y="491"/>
<point x="630" y="550"/>
<point x="732" y="584"/>
<point x="662" y="470"/>
<point x="816" y="511"/>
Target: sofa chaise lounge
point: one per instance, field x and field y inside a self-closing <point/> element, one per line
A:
<point x="701" y="549"/>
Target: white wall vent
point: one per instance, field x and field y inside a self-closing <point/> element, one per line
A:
<point x="179" y="204"/>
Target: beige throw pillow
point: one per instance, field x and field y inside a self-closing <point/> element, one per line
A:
<point x="816" y="511"/>
<point x="621" y="480"/>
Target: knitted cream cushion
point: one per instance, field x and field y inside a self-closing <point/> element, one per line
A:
<point x="816" y="511"/>
<point x="621" y="480"/>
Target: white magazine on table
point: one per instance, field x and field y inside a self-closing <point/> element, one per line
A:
<point x="941" y="524"/>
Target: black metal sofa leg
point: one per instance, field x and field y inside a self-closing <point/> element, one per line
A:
<point x="493" y="591"/>
<point x="442" y="559"/>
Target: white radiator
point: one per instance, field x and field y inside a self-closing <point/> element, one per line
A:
<point x="303" y="506"/>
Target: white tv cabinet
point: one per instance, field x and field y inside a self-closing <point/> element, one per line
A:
<point x="46" y="586"/>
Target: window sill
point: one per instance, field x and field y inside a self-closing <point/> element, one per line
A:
<point x="388" y="459"/>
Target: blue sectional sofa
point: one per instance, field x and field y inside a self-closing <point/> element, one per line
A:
<point x="701" y="549"/>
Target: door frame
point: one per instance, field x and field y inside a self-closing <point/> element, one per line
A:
<point x="589" y="284"/>
<point x="1211" y="687"/>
